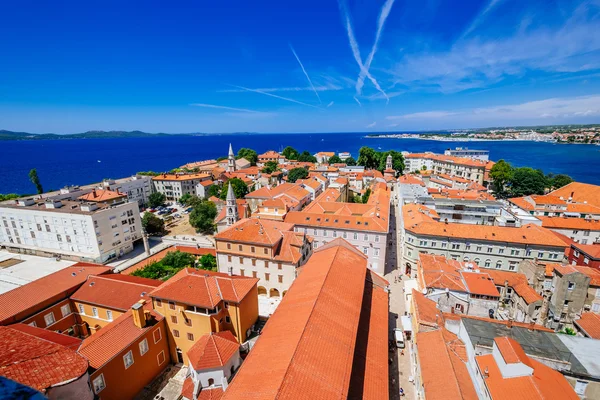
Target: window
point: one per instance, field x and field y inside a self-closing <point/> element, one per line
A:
<point x="158" y="303"/>
<point x="571" y="286"/>
<point x="499" y="264"/>
<point x="488" y="262"/>
<point x="94" y="311"/>
<point x="241" y="260"/>
<point x="279" y="266"/>
<point x="228" y="258"/>
<point x="586" y="260"/>
<point x="479" y="249"/>
<point x="49" y="319"/>
<point x="490" y="249"/>
<point x="128" y="359"/>
<point x="240" y="247"/>
<point x="433" y="244"/>
<point x="65" y="310"/>
<point x="444" y="245"/>
<point x="157" y="336"/>
<point x="190" y="337"/>
<point x="455" y="246"/>
<point x="254" y="274"/>
<point x="540" y="254"/>
<point x="253" y="262"/>
<point x="99" y="383"/>
<point x="109" y="315"/>
<point x="174" y="319"/>
<point x="355" y="236"/>
<point x="242" y="272"/>
<point x="376" y="252"/>
<point x="280" y="278"/>
<point x="376" y="238"/>
<point x="227" y="319"/>
<point x="252" y="249"/>
<point x="175" y="333"/>
<point x="500" y="251"/>
<point x="143" y="347"/>
<point x="171" y="305"/>
<point x="580" y="387"/>
<point x="366" y="250"/>
<point x="81" y="309"/>
<point x="267" y="277"/>
<point x="266" y="264"/>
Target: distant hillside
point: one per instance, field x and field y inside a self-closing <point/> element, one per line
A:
<point x="9" y="135"/>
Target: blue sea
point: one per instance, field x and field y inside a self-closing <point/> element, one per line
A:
<point x="84" y="161"/>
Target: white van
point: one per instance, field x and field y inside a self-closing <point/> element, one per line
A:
<point x="399" y="338"/>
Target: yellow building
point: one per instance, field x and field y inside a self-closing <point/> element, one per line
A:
<point x="197" y="302"/>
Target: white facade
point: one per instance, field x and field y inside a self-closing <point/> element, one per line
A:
<point x="73" y="229"/>
<point x="372" y="244"/>
<point x="173" y="188"/>
<point x="483" y="155"/>
<point x="137" y="188"/>
<point x="476" y="212"/>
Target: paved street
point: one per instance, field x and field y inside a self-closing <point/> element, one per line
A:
<point x="400" y="367"/>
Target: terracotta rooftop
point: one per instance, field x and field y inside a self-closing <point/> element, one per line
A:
<point x="518" y="282"/>
<point x="115" y="337"/>
<point x="70" y="342"/>
<point x="592" y="250"/>
<point x="101" y="195"/>
<point x="242" y="209"/>
<point x="205" y="394"/>
<point x="442" y="359"/>
<point x="580" y="192"/>
<point x="308" y="347"/>
<point x="511" y="351"/>
<point x="425" y="310"/>
<point x="32" y="358"/>
<point x="119" y="294"/>
<point x="254" y="230"/>
<point x="180" y="177"/>
<point x="204" y="288"/>
<point x="544" y="382"/>
<point x="589" y="323"/>
<point x="527" y="234"/>
<point x="28" y="299"/>
<point x="593" y="273"/>
<point x="213" y="350"/>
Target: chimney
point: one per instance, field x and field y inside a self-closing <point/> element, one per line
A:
<point x="509" y="323"/>
<point x="137" y="310"/>
<point x="486" y="373"/>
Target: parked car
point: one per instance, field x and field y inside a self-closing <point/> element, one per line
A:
<point x="189" y="209"/>
<point x="152" y="210"/>
<point x="399" y="338"/>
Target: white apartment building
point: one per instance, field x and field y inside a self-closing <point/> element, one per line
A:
<point x="173" y="186"/>
<point x="462" y="167"/>
<point x="137" y="188"/>
<point x="82" y="231"/>
<point x="483" y="155"/>
<point x="463" y="211"/>
<point x="265" y="249"/>
<point x="584" y="231"/>
<point x="497" y="247"/>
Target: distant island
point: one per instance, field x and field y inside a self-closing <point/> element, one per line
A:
<point x="568" y="134"/>
<point x="10" y="135"/>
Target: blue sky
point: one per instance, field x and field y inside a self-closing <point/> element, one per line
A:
<point x="297" y="66"/>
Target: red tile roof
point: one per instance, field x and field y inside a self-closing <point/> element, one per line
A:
<point x="544" y="382"/>
<point x="204" y="288"/>
<point x="592" y="250"/>
<point x="425" y="310"/>
<point x="115" y="337"/>
<point x="101" y="195"/>
<point x="511" y="351"/>
<point x="254" y="230"/>
<point x="570" y="223"/>
<point x="589" y="323"/>
<point x="444" y="372"/>
<point x="179" y="177"/>
<point x="118" y="294"/>
<point x="307" y="348"/>
<point x="37" y="361"/>
<point x="593" y="273"/>
<point x="31" y="298"/>
<point x="213" y="350"/>
<point x="70" y="342"/>
<point x="580" y="192"/>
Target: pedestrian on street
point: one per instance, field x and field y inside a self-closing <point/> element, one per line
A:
<point x="401" y="392"/>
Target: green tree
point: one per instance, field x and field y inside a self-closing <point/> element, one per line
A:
<point x="368" y="158"/>
<point x="350" y="161"/>
<point x="178" y="259"/>
<point x="297" y="173"/>
<point x="221" y="159"/>
<point x="501" y="174"/>
<point x="559" y="180"/>
<point x="10" y="196"/>
<point x="307" y="157"/>
<point x="335" y="159"/>
<point x="215" y="190"/>
<point x="568" y="331"/>
<point x="397" y="160"/>
<point x="208" y="262"/>
<point x="240" y="189"/>
<point x="365" y="196"/>
<point x="185" y="199"/>
<point x="152" y="224"/>
<point x="526" y="181"/>
<point x="248" y="154"/>
<point x="203" y="216"/>
<point x="270" y="167"/>
<point x="156" y="199"/>
<point x="148" y="173"/>
<point x="33" y="177"/>
<point x="155" y="270"/>
<point x="290" y="153"/>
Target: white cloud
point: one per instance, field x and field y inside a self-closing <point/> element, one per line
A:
<point x="480" y="17"/>
<point x="477" y="62"/>
<point x="244" y="110"/>
<point x="322" y="88"/>
<point x="330" y="104"/>
<point x="372" y="124"/>
<point x="563" y="108"/>
<point x="358" y="101"/>
<point x="276" y="96"/>
<point x="305" y="73"/>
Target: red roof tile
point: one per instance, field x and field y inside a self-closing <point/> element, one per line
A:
<point x="213" y="350"/>
<point x="101" y="195"/>
<point x="28" y="299"/>
<point x="118" y="294"/>
<point x="307" y="348"/>
<point x="254" y="230"/>
<point x="36" y="361"/>
<point x="204" y="288"/>
<point x="70" y="342"/>
<point x="589" y="323"/>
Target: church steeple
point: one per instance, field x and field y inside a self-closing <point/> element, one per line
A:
<point x="232" y="211"/>
<point x="231" y="160"/>
<point x="388" y="162"/>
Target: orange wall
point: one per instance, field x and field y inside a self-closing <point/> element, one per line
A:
<point x="246" y="250"/>
<point x="58" y="325"/>
<point x="124" y="383"/>
<point x="101" y="320"/>
<point x="247" y="311"/>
